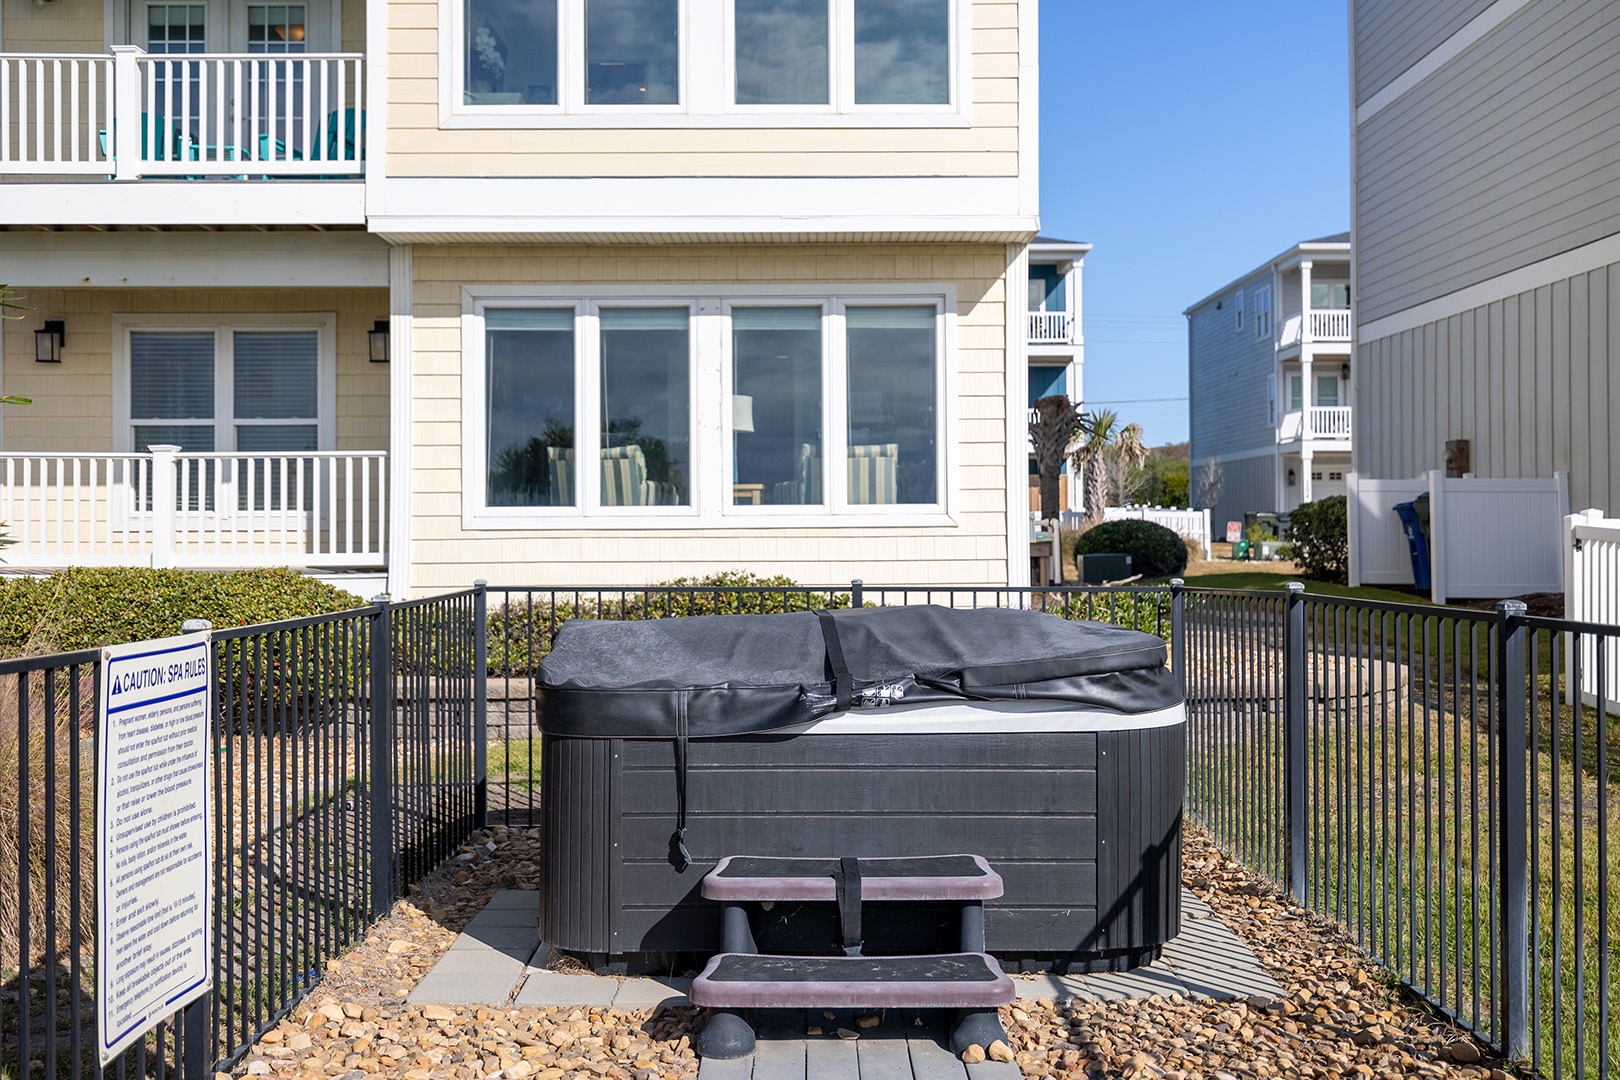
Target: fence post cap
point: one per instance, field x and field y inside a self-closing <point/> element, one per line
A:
<point x="1295" y="587"/>
<point x="192" y="626"/>
<point x="1511" y="608"/>
<point x="480" y="583"/>
<point x="857" y="581"/>
<point x="382" y="598"/>
<point x="1178" y="583"/>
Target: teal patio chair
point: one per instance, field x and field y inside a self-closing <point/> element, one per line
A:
<point x="160" y="141"/>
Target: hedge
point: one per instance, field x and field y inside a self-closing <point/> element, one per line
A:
<point x="1155" y="551"/>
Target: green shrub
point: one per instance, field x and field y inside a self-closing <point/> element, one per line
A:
<point x="1319" y="539"/>
<point x="1155" y="551"/>
<point x="86" y="608"/>
<point x="1148" y="612"/>
<point x="521" y="631"/>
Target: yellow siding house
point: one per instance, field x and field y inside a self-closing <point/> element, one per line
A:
<point x="554" y="292"/>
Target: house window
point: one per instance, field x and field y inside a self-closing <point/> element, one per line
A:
<point x="1262" y="312"/>
<point x="632" y="52"/>
<point x="1330" y="295"/>
<point x="783" y="53"/>
<point x="1240" y="309"/>
<point x="510" y="53"/>
<point x="860" y="379"/>
<point x="1296" y="392"/>
<point x="1046" y="288"/>
<point x="736" y="63"/>
<point x="221" y="389"/>
<point x="902" y="52"/>
<point x="1327" y="390"/>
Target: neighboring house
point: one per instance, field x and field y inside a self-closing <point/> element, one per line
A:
<point x="537" y="291"/>
<point x="1487" y="238"/>
<point x="1057" y="345"/>
<point x="1268" y="359"/>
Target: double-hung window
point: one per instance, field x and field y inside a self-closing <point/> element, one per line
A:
<point x="735" y="62"/>
<point x="1262" y="312"/>
<point x="587" y="406"/>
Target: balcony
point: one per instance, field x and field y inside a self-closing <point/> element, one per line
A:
<point x="1051" y="328"/>
<point x="69" y="119"/>
<point x="196" y="510"/>
<point x="1330" y="423"/>
<point x="1327" y="325"/>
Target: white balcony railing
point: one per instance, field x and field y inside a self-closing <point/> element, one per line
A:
<point x="1327" y="422"/>
<point x="1326" y="325"/>
<point x="1331" y="325"/>
<point x="1051" y="328"/>
<point x="166" y="508"/>
<point x="133" y="114"/>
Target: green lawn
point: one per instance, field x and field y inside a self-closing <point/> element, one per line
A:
<point x="1277" y="580"/>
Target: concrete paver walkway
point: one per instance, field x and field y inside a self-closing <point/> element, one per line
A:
<point x="498" y="960"/>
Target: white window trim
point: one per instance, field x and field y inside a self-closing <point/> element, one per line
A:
<point x="1262" y="312"/>
<point x="710" y="486"/>
<point x="707" y="79"/>
<point x="324" y="325"/>
<point x="1240" y="309"/>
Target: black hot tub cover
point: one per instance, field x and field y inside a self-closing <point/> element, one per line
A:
<point x="735" y="674"/>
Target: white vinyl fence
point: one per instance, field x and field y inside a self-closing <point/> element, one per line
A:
<point x="1592" y="565"/>
<point x="1191" y="524"/>
<point x="1487" y="537"/>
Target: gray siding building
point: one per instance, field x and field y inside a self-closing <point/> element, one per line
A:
<point x="1487" y="239"/>
<point x="1268" y="359"/>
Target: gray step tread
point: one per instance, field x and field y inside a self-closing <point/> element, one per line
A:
<point x="950" y="980"/>
<point x="928" y="877"/>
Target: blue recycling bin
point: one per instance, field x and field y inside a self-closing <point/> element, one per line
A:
<point x="1417" y="542"/>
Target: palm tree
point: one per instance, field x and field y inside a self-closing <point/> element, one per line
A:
<point x="1057" y="421"/>
<point x="1107" y="452"/>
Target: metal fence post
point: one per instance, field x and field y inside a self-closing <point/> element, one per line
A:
<point x="1512" y="691"/>
<point x="480" y="703"/>
<point x="381" y="789"/>
<point x="1294" y="735"/>
<point x="1178" y="633"/>
<point x="856" y="588"/>
<point x="194" y="1018"/>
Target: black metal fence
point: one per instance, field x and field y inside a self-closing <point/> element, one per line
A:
<point x="1439" y="781"/>
<point x="343" y="767"/>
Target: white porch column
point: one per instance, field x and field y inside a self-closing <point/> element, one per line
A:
<point x="1307" y="393"/>
<point x="125" y="101"/>
<point x="399" y="422"/>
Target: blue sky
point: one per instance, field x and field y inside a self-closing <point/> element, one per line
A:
<point x="1189" y="143"/>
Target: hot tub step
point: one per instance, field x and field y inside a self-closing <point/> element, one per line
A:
<point x="947" y="981"/>
<point x="928" y="877"/>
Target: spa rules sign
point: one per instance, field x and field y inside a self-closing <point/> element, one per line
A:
<point x="152" y="827"/>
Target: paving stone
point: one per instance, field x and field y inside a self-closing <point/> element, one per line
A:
<point x="780" y="1059"/>
<point x="642" y="993"/>
<point x="551" y="988"/>
<point x="464" y="988"/>
<point x="731" y="1069"/>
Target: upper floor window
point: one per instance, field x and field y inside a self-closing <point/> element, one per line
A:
<point x="1330" y="295"/>
<point x="1240" y="309"/>
<point x="1046" y="288"/>
<point x="732" y="62"/>
<point x="1262" y="312"/>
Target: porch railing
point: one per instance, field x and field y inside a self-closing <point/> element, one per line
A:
<point x="133" y="114"/>
<point x="1051" y="328"/>
<point x="166" y="508"/>
<point x="1327" y="324"/>
<point x="1327" y="422"/>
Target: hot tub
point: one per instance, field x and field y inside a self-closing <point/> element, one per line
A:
<point x="1054" y="749"/>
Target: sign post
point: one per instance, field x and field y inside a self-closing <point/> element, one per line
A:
<point x="153" y="889"/>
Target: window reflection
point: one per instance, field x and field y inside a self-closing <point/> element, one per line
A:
<point x="892" y="426"/>
<point x="631" y="52"/>
<point x="530" y="388"/>
<point x="646" y="407"/>
<point x="776" y="371"/>
<point x="781" y="54"/>
<point x="902" y="52"/>
<point x="511" y="56"/>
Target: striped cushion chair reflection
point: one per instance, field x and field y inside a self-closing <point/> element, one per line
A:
<point x="560" y="466"/>
<point x="805" y="488"/>
<point x="624" y="476"/>
<point x="872" y="474"/>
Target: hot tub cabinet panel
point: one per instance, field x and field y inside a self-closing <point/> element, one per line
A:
<point x="1083" y="826"/>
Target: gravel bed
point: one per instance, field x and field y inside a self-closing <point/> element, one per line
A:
<point x="1340" y="1015"/>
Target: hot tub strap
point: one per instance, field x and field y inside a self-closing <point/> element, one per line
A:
<point x="679" y="857"/>
<point x="848" y="883"/>
<point x="843" y="682"/>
